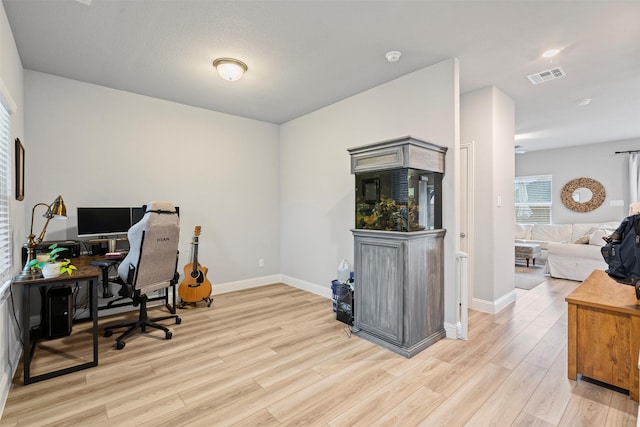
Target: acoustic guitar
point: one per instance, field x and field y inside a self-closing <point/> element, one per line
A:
<point x="195" y="287"/>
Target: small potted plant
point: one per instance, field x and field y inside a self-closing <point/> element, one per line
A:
<point x="51" y="266"/>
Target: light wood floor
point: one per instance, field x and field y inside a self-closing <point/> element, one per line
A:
<point x="276" y="355"/>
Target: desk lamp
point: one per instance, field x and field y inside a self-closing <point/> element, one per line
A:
<point x="56" y="210"/>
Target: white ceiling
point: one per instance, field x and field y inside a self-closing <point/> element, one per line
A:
<point x="304" y="55"/>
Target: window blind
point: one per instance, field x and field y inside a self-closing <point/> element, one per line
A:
<point x="533" y="200"/>
<point x="5" y="192"/>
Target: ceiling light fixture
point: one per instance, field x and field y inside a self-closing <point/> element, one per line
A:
<point x="229" y="68"/>
<point x="550" y="53"/>
<point x="518" y="149"/>
<point x="583" y="102"/>
<point x="393" y="56"/>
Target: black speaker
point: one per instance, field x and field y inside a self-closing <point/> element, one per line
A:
<point x="58" y="312"/>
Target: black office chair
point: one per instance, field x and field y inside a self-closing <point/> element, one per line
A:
<point x="150" y="265"/>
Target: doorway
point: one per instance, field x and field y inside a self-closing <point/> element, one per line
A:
<point x="466" y="212"/>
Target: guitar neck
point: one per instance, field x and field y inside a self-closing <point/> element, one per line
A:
<point x="194" y="261"/>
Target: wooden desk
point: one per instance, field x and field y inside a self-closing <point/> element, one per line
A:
<point x="85" y="273"/>
<point x="604" y="332"/>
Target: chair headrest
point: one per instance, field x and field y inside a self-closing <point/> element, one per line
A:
<point x="160" y="206"/>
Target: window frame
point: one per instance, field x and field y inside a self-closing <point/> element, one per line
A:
<point x="522" y="180"/>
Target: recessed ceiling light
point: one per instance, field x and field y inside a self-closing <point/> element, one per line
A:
<point x="583" y="102"/>
<point x="551" y="52"/>
<point x="393" y="56"/>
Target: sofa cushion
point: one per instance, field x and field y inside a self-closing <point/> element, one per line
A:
<point x="523" y="231"/>
<point x="582" y="240"/>
<point x="596" y="237"/>
<point x="573" y="262"/>
<point x="580" y="230"/>
<point x="552" y="232"/>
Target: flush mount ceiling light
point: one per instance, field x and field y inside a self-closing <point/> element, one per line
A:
<point x="550" y="53"/>
<point x="229" y="68"/>
<point x="583" y="102"/>
<point x="518" y="149"/>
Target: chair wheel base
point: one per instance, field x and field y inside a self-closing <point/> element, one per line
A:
<point x="120" y="345"/>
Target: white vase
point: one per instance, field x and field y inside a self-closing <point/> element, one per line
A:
<point x="51" y="270"/>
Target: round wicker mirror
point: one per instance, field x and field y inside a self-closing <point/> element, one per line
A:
<point x="598" y="194"/>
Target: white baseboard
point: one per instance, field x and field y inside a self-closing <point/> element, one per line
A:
<point x="223" y="288"/>
<point x="451" y="329"/>
<point x="493" y="307"/>
<point x="323" y="291"/>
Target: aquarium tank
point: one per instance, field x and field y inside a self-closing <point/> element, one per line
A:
<point x="398" y="185"/>
<point x="403" y="199"/>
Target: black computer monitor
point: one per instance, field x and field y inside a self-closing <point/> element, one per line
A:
<point x="100" y="222"/>
<point x="105" y="222"/>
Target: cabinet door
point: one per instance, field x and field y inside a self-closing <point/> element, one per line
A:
<point x="379" y="288"/>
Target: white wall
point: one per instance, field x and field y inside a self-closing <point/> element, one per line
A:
<point x="317" y="188"/>
<point x="488" y="121"/>
<point x="596" y="161"/>
<point x="103" y="147"/>
<point x="11" y="80"/>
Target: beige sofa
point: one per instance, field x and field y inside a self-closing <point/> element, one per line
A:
<point x="570" y="251"/>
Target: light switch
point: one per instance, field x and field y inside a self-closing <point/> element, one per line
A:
<point x="499" y="201"/>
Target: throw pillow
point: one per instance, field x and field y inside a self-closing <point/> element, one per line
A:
<point x="523" y="231"/>
<point x="552" y="232"/>
<point x="596" y="238"/>
<point x="582" y="240"/>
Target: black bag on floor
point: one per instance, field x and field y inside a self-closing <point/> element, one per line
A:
<point x="622" y="252"/>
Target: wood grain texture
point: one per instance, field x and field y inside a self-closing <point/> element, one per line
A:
<point x="604" y="335"/>
<point x="400" y="303"/>
<point x="276" y="356"/>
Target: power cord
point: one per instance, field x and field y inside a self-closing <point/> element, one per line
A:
<point x="13" y="309"/>
<point x="79" y="308"/>
<point x="347" y="330"/>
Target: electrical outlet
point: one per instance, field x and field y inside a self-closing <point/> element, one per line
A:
<point x="261" y="262"/>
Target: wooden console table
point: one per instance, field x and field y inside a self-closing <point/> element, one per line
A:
<point x="604" y="332"/>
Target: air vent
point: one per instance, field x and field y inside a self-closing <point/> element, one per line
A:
<point x="545" y="76"/>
